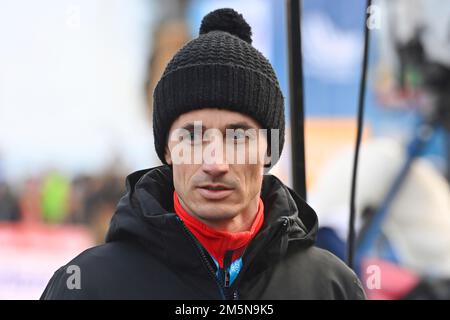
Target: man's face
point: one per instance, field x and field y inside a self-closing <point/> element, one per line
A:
<point x="222" y="172"/>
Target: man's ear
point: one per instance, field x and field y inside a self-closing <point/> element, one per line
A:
<point x="167" y="156"/>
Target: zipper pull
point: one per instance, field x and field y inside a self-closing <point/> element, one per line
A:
<point x="226" y="282"/>
<point x="226" y="268"/>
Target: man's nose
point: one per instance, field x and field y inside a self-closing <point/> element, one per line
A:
<point x="216" y="165"/>
<point x="215" y="169"/>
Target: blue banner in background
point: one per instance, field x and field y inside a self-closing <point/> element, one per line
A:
<point x="332" y="40"/>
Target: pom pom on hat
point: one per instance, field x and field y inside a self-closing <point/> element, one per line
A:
<point x="227" y="20"/>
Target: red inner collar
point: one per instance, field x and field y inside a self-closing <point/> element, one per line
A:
<point x="218" y="242"/>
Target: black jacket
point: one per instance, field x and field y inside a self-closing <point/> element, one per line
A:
<point x="149" y="254"/>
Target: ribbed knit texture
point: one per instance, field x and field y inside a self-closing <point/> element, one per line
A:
<point x="217" y="70"/>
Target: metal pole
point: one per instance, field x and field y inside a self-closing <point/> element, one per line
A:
<point x="296" y="96"/>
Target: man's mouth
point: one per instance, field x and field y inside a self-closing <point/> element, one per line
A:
<point x="215" y="187"/>
<point x="215" y="191"/>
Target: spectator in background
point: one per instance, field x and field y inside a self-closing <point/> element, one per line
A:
<point x="9" y="206"/>
<point x="79" y="191"/>
<point x="55" y="196"/>
<point x="101" y="204"/>
<point x="30" y="201"/>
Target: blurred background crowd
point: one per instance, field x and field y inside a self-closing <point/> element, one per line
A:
<point x="76" y="84"/>
<point x="52" y="197"/>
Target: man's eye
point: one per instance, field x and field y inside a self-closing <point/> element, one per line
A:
<point x="238" y="137"/>
<point x="193" y="137"/>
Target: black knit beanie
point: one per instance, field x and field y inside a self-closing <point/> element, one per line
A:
<point x="219" y="69"/>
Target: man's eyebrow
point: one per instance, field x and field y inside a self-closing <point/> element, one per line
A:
<point x="240" y="125"/>
<point x="191" y="126"/>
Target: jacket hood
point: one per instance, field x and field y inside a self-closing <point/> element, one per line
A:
<point x="145" y="215"/>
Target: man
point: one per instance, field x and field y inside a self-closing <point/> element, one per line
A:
<point x="206" y="224"/>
